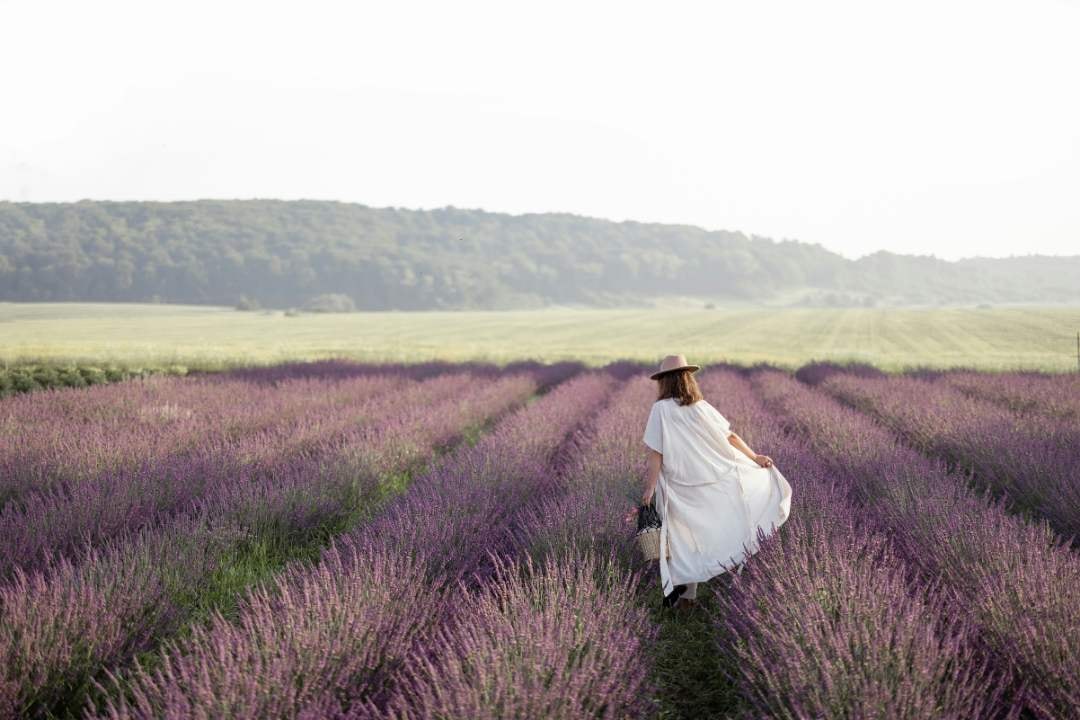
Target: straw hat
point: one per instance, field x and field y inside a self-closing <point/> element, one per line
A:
<point x="672" y="363"/>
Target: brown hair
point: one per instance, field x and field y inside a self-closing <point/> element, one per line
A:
<point x="681" y="385"/>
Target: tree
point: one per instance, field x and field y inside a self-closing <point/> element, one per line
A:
<point x="331" y="302"/>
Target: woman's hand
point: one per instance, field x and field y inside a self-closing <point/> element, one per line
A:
<point x="763" y="460"/>
<point x="631" y="514"/>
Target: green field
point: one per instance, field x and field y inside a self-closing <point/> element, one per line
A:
<point x="206" y="337"/>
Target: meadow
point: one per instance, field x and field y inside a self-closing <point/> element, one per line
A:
<point x="196" y="337"/>
<point x="351" y="540"/>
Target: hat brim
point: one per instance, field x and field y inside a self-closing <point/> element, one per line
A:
<point x="692" y="368"/>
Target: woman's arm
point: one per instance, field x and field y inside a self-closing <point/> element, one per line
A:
<point x="740" y="444"/>
<point x="652" y="474"/>
<point x="653" y="460"/>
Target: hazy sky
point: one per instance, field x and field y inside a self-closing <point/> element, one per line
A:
<point x="947" y="127"/>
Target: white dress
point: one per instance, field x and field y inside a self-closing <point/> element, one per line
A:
<point x="711" y="498"/>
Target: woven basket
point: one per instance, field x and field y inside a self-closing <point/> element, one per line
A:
<point x="649" y="544"/>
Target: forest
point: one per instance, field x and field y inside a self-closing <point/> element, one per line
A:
<point x="296" y="254"/>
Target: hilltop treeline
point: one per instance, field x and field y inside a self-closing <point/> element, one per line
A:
<point x="284" y="253"/>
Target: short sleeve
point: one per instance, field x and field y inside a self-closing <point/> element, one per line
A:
<point x="722" y="423"/>
<point x="653" y="430"/>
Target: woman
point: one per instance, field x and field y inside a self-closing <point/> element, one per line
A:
<point x="713" y="492"/>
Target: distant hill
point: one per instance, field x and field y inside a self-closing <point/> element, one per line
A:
<point x="287" y="253"/>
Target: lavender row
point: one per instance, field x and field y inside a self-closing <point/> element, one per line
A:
<point x="561" y="632"/>
<point x="1013" y="580"/>
<point x="301" y="447"/>
<point x="311" y="648"/>
<point x="62" y="439"/>
<point x="483" y="493"/>
<point x="1051" y="396"/>
<point x="548" y="375"/>
<point x="602" y="482"/>
<point x="563" y="639"/>
<point x="99" y="508"/>
<point x="823" y="622"/>
<point x="61" y="625"/>
<point x="1032" y="460"/>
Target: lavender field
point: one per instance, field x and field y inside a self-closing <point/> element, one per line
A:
<point x="345" y="540"/>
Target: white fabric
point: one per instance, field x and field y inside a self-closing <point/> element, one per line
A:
<point x="712" y="499"/>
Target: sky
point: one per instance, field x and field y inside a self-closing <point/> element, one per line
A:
<point x="948" y="127"/>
